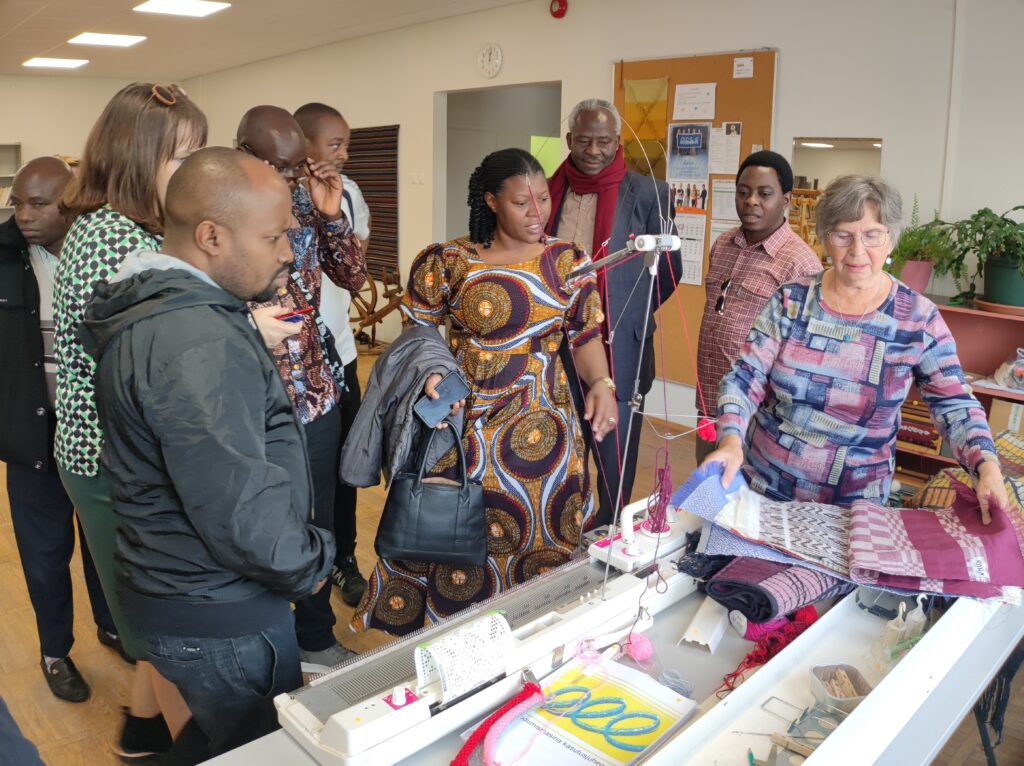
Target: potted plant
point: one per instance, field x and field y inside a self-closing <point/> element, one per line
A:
<point x="919" y="248"/>
<point x="998" y="243"/>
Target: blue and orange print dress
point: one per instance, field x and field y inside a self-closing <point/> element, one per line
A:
<point x="522" y="434"/>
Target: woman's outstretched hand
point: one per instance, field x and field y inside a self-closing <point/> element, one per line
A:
<point x="730" y="454"/>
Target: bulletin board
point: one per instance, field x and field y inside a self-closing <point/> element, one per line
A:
<point x="749" y="100"/>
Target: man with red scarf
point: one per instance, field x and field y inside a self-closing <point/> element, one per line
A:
<point x="597" y="203"/>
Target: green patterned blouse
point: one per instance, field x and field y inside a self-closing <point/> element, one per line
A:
<point x="93" y="250"/>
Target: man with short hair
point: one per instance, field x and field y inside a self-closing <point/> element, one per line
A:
<point x="598" y="204"/>
<point x="42" y="514"/>
<point x="327" y="140"/>
<point x="210" y="468"/>
<point x="304" y="351"/>
<point x="747" y="265"/>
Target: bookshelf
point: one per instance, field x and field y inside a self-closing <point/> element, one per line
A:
<point x="984" y="340"/>
<point x="10" y="161"/>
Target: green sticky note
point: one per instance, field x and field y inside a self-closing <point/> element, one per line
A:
<point x="546" y="150"/>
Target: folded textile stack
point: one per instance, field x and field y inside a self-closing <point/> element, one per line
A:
<point x="764" y="590"/>
<point x="947" y="551"/>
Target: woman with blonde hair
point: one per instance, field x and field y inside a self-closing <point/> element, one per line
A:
<point x="116" y="197"/>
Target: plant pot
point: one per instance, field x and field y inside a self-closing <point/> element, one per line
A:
<point x="916" y="275"/>
<point x="1003" y="282"/>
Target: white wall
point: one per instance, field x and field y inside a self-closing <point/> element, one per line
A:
<point x="482" y="121"/>
<point x="826" y="164"/>
<point x="51" y="115"/>
<point x="833" y="59"/>
<point x="986" y="160"/>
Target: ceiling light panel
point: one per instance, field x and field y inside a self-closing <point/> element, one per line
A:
<point x="40" y="61"/>
<point x="116" y="41"/>
<point x="816" y="145"/>
<point x="197" y="8"/>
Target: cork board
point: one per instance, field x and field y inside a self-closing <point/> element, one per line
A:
<point x="747" y="100"/>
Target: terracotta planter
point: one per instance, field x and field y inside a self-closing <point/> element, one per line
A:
<point x="916" y="275"/>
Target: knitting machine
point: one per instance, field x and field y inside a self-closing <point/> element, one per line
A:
<point x="391" y="703"/>
<point x="409" y="701"/>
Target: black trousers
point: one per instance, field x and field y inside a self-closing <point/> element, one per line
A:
<point x="314" y="617"/>
<point x="616" y="461"/>
<point x="44" y="528"/>
<point x="344" y="495"/>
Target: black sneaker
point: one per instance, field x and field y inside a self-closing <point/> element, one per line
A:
<point x="113" y="641"/>
<point x="352" y="584"/>
<point x="142" y="738"/>
<point x="65" y="681"/>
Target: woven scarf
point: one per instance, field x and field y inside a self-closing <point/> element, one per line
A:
<point x="763" y="590"/>
<point x="947" y="551"/>
<point x="605" y="185"/>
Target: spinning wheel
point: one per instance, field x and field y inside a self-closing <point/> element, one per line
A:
<point x="372" y="303"/>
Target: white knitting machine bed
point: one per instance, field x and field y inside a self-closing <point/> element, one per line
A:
<point x="347" y="717"/>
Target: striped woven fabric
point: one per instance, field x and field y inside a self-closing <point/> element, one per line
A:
<point x="373" y="164"/>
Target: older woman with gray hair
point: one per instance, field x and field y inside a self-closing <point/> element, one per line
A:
<point x="829" y="362"/>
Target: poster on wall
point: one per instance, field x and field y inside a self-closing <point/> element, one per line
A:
<point x="688" y="150"/>
<point x="690" y="194"/>
<point x="725" y="148"/>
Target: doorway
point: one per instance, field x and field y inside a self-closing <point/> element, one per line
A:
<point x="482" y="121"/>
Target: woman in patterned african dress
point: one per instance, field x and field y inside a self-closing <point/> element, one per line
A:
<point x="504" y="289"/>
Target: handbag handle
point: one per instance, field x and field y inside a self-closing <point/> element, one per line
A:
<point x="425" y="450"/>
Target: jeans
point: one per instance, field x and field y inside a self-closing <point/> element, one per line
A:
<point x="230" y="683"/>
<point x="44" y="527"/>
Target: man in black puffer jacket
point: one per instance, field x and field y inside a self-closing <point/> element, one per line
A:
<point x="211" y="476"/>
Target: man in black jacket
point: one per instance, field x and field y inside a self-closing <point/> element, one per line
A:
<point x="41" y="512"/>
<point x="210" y="469"/>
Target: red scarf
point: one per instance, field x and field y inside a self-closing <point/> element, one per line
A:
<point x="605" y="184"/>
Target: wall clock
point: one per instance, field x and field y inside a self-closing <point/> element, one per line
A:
<point x="488" y="61"/>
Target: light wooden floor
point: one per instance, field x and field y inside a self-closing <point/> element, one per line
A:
<point x="81" y="734"/>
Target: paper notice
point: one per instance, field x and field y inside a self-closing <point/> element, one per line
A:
<point x="695" y="101"/>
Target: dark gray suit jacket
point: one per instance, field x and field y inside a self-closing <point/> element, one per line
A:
<point x="637" y="213"/>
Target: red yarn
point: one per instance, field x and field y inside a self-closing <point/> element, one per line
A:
<point x="462" y="759"/>
<point x="706" y="430"/>
<point x="770" y="645"/>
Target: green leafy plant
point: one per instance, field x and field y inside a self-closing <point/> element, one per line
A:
<point x="927" y="242"/>
<point x="988" y="236"/>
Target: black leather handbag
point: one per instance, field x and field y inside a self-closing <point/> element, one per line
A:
<point x="433" y="522"/>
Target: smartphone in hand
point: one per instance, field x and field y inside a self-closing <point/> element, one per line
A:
<point x="452" y="389"/>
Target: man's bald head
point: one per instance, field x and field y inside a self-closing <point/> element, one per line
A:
<point x="228" y="214"/>
<point x="35" y="195"/>
<point x="271" y="134"/>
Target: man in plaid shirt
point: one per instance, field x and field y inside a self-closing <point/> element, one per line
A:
<point x="748" y="264"/>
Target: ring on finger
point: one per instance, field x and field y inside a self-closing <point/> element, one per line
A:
<point x="611" y="421"/>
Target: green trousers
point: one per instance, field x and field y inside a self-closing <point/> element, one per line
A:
<point x="92" y="498"/>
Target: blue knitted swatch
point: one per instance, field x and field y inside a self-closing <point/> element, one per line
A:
<point x="703" y="495"/>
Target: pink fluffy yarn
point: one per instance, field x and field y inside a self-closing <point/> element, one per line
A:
<point x="639" y="647"/>
<point x="706" y="430"/>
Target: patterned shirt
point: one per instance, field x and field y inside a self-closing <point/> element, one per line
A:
<point x="93" y="250"/>
<point x="755" y="272"/>
<point x="320" y="247"/>
<point x="825" y="394"/>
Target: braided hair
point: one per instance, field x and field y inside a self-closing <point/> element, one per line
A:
<point x="490" y="176"/>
